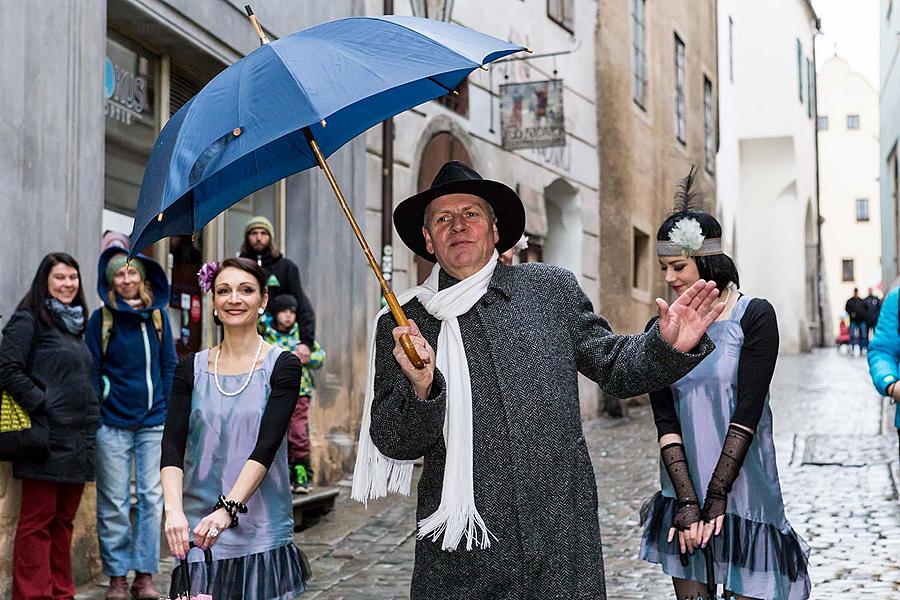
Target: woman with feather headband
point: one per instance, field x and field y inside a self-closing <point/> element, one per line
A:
<point x="720" y="489"/>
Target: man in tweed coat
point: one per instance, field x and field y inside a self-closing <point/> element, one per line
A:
<point x="526" y="339"/>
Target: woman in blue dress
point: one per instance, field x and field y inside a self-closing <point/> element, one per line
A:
<point x="224" y="457"/>
<point x="718" y="473"/>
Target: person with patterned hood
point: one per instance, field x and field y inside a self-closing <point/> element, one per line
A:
<point x="497" y="401"/>
<point x="134" y="361"/>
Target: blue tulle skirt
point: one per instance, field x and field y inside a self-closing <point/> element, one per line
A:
<point x="277" y="574"/>
<point x="752" y="559"/>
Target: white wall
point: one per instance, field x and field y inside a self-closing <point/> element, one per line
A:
<point x="848" y="169"/>
<point x="777" y="157"/>
<point x="728" y="156"/>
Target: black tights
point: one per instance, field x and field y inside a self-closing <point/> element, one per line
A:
<point x="692" y="590"/>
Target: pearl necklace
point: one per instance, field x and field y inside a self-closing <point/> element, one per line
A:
<point x="249" y="375"/>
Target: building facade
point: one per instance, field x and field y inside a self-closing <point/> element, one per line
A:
<point x="848" y="174"/>
<point x="768" y="187"/>
<point x="657" y="116"/>
<point x="79" y="118"/>
<point x="558" y="183"/>
<point x="889" y="25"/>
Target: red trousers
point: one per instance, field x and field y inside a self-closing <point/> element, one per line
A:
<point x="298" y="433"/>
<point x="42" y="561"/>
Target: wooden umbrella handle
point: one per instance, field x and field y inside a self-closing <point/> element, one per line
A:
<point x="389" y="296"/>
<point x="405" y="341"/>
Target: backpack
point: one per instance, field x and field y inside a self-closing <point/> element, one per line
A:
<point x="108" y="322"/>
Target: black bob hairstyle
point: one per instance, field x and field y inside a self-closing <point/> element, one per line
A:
<point x="719" y="268"/>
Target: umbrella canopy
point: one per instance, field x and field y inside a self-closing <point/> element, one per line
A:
<point x="248" y="127"/>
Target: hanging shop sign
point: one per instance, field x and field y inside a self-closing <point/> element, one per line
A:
<point x="531" y="114"/>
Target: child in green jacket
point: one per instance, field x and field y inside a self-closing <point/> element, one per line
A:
<point x="278" y="326"/>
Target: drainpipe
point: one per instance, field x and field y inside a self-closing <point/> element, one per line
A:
<point x="387" y="186"/>
<point x="820" y="282"/>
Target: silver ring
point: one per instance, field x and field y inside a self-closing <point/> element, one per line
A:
<point x="213" y="532"/>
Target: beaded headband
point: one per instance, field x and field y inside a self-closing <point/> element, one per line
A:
<point x="686" y="239"/>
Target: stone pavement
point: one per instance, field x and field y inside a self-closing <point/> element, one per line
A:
<point x="837" y="452"/>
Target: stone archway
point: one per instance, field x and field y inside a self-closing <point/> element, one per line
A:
<point x="442" y="147"/>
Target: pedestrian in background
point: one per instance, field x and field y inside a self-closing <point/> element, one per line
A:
<point x="133" y="366"/>
<point x="278" y="326"/>
<point x="224" y="456"/>
<point x="46" y="367"/>
<point x="718" y="471"/>
<point x="859" y="319"/>
<point x="873" y="309"/>
<point x="884" y="353"/>
<point x="282" y="277"/>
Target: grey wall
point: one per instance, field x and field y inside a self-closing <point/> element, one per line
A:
<point x="52" y="130"/>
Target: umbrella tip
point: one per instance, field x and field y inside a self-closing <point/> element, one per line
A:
<point x="527" y="49"/>
<point x="483" y="67"/>
<point x="249" y="10"/>
<point x="323" y="123"/>
<point x="159" y="217"/>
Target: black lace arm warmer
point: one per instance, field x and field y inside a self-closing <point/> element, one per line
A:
<point x="756" y="365"/>
<point x="178" y="414"/>
<point x="737" y="442"/>
<point x="688" y="511"/>
<point x="285" y="390"/>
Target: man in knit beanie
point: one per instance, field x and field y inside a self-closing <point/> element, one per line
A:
<point x="283" y="277"/>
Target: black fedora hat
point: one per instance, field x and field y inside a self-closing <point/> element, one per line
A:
<point x="458" y="178"/>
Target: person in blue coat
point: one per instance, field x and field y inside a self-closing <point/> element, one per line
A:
<point x="884" y="352"/>
<point x="134" y="363"/>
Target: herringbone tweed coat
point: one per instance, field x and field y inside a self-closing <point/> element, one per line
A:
<point x="526" y="340"/>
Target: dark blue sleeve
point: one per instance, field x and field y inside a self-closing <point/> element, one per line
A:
<point x="168" y="358"/>
<point x="92" y="337"/>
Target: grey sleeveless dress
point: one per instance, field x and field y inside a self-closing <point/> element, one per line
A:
<point x="757" y="554"/>
<point x="258" y="559"/>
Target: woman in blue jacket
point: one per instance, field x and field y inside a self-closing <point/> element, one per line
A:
<point x="133" y="366"/>
<point x="884" y="352"/>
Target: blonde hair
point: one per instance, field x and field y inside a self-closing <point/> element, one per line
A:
<point x="144" y="293"/>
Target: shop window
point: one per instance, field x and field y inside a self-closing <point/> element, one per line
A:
<point x="129" y="91"/>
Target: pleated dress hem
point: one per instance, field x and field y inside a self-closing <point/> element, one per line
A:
<point x="752" y="559"/>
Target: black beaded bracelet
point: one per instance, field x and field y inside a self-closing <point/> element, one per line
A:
<point x="232" y="507"/>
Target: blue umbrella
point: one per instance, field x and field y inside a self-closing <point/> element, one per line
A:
<point x="290" y="104"/>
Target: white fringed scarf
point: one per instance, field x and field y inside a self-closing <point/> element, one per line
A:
<point x="376" y="475"/>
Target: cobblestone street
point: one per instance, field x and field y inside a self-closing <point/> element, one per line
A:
<point x="838" y="464"/>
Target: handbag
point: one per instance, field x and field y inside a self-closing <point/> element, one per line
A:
<point x="23" y="436"/>
<point x="182" y="588"/>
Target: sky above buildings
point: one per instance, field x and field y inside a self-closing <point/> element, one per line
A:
<point x="850" y="28"/>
